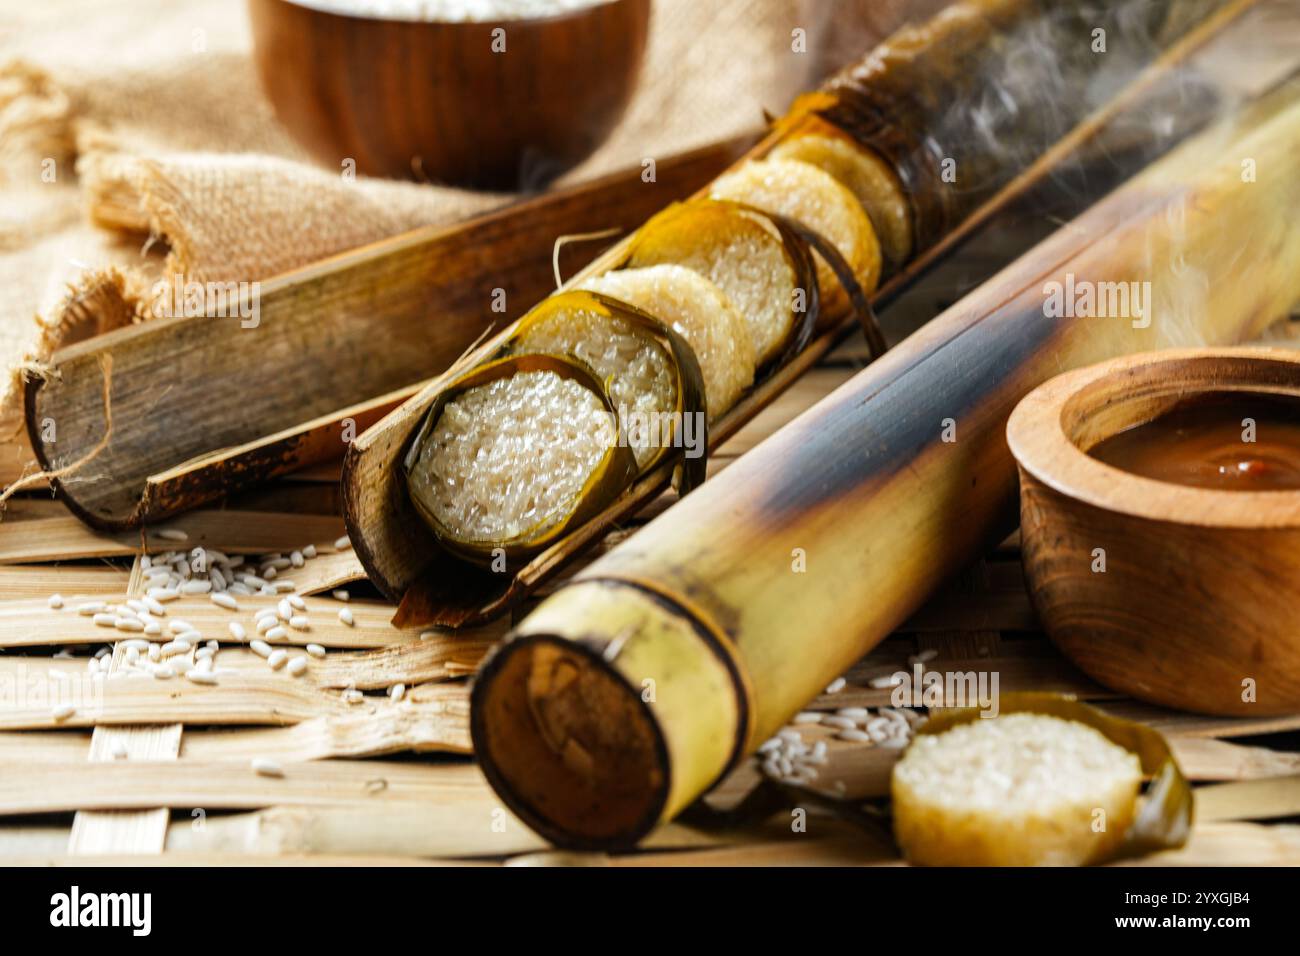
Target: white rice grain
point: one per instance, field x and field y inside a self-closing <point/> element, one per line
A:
<point x="266" y="767"/>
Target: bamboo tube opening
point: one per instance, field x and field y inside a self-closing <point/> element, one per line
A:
<point x="606" y="713"/>
<point x="569" y="743"/>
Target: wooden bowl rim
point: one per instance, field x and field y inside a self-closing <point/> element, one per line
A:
<point x="548" y="19"/>
<point x="1038" y="441"/>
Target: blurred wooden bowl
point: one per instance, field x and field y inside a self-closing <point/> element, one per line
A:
<point x="1200" y="595"/>
<point x="433" y="101"/>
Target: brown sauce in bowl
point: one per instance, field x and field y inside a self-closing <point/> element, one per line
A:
<point x="1204" y="442"/>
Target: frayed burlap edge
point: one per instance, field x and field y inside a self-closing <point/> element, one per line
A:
<point x="36" y="117"/>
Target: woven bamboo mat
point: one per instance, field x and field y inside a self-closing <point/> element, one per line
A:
<point x="162" y="771"/>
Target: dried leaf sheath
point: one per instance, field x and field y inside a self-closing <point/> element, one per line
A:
<point x="608" y="476"/>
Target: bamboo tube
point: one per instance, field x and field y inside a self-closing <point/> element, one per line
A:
<point x="631" y="690"/>
<point x="899" y="102"/>
<point x="1016" y="65"/>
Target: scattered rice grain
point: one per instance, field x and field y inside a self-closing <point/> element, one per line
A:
<point x="266" y="767"/>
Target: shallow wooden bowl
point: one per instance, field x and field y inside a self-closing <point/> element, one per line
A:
<point x="1198" y="607"/>
<point x="433" y="101"/>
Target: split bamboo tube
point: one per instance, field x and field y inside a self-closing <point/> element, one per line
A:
<point x="632" y="689"/>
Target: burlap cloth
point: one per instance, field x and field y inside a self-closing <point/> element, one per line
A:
<point x="135" y="143"/>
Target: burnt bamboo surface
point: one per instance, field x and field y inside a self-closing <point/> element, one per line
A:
<point x="402" y="556"/>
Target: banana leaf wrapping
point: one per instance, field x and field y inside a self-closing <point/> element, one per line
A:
<point x="459" y="568"/>
<point x="615" y="472"/>
<point x="1164" y="819"/>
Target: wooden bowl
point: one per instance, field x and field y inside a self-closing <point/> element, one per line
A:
<point x="1198" y="607"/>
<point x="433" y="101"/>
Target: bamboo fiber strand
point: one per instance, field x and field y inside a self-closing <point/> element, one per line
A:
<point x="215" y="784"/>
<point x="236" y="532"/>
<point x="1269" y="798"/>
<point x="274" y="698"/>
<point x="39" y="582"/>
<point x="362" y="733"/>
<point x="30" y="623"/>
<point x="126" y="831"/>
<point x="366" y="731"/>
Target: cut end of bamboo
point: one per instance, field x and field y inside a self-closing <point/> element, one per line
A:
<point x="594" y="735"/>
<point x="568" y="744"/>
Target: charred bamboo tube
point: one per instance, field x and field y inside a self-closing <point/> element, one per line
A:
<point x="1014" y="65"/>
<point x="704" y="632"/>
<point x="920" y="73"/>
